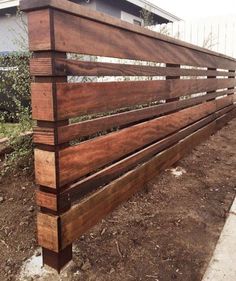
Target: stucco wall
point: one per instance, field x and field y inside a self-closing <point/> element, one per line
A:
<point x="109" y="8"/>
<point x="13" y="36"/>
<point x="11" y="31"/>
<point x="118" y="9"/>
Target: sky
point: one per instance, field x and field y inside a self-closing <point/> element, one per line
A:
<point x="189" y="9"/>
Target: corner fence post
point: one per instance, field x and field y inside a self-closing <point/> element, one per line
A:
<point x="41" y="44"/>
<point x="59" y="259"/>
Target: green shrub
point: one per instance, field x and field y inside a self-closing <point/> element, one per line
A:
<point x="15" y="102"/>
<point x="14" y="85"/>
<point x="20" y="142"/>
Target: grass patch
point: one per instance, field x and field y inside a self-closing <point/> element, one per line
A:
<point x="7" y="128"/>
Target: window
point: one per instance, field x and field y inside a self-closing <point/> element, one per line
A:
<point x="137" y="22"/>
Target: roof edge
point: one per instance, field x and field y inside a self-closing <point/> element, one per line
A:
<point x="155" y="9"/>
<point x="141" y="3"/>
<point x="8" y="4"/>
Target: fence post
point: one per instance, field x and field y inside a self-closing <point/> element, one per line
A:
<point x="230" y="72"/>
<point x="172" y="77"/>
<point x="41" y="42"/>
<point x="53" y="259"/>
<point x="211" y="77"/>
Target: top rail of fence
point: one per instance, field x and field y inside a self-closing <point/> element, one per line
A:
<point x="78" y="10"/>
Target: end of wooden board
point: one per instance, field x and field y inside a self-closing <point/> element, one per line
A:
<point x="45" y="168"/>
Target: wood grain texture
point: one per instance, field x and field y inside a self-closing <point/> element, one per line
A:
<point x="111" y="172"/>
<point x="61" y="67"/>
<point x="42" y="101"/>
<point x="45" y="135"/>
<point x="86" y="128"/>
<point x="81" y="99"/>
<point x="47" y="200"/>
<point x="91" y="210"/>
<point x="48" y="231"/>
<point x="74" y="99"/>
<point x="89" y="184"/>
<point x="80" y="160"/>
<point x="174" y="66"/>
<point x="73" y="15"/>
<point x="42" y="67"/>
<point x="116" y="165"/>
<point x="45" y="168"/>
<point x="78" y="10"/>
<point x="115" y="42"/>
<point x="39" y="30"/>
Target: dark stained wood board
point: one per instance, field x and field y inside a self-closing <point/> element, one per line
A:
<point x="111" y="172"/>
<point x="74" y="99"/>
<point x="60" y="67"/>
<point x="67" y="133"/>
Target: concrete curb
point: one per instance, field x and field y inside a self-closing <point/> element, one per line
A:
<point x="222" y="266"/>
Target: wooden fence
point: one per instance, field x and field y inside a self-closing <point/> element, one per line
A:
<point x="127" y="131"/>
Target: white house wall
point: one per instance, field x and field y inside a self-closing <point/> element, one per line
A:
<point x="110" y="9"/>
<point x="13" y="36"/>
<point x="130" y="18"/>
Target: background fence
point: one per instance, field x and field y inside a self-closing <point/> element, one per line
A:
<point x="99" y="142"/>
<point x="215" y="33"/>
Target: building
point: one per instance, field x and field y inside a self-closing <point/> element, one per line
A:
<point x="12" y="31"/>
<point x="129" y="10"/>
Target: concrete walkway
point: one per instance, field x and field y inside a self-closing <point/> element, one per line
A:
<point x="222" y="266"/>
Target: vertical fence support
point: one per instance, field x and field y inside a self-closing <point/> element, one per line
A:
<point x="231" y="71"/>
<point x="56" y="260"/>
<point x="172" y="77"/>
<point x="42" y="45"/>
<point x="211" y="77"/>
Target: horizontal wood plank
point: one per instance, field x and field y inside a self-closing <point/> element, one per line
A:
<point x="39" y="30"/>
<point x="101" y="151"/>
<point x="62" y="67"/>
<point x="47" y="200"/>
<point x="48" y="231"/>
<point x="92" y="209"/>
<point x="83" y="187"/>
<point x="114" y="42"/>
<point x="116" y="165"/>
<point x="81" y="99"/>
<point x="81" y="217"/>
<point x="74" y="99"/>
<point x="81" y="11"/>
<point x="72" y="21"/>
<point x="223" y="120"/>
<point x="108" y="174"/>
<point x="89" y="184"/>
<point x="67" y="133"/>
<point x="43" y="106"/>
<point x="45" y="168"/>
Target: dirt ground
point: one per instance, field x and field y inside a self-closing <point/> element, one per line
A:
<point x="166" y="232"/>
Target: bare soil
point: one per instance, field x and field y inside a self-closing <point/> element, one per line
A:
<point x="166" y="232"/>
